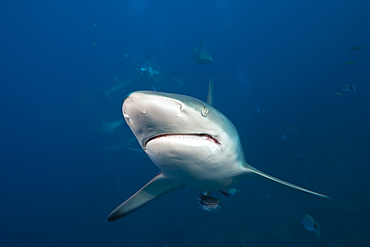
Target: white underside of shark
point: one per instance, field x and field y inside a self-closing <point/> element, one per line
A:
<point x="192" y="143"/>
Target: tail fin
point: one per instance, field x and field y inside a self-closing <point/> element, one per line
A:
<point x="200" y="43"/>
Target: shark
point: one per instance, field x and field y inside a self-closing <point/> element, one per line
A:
<point x="201" y="56"/>
<point x="191" y="142"/>
<point x="118" y="84"/>
<point x="109" y="127"/>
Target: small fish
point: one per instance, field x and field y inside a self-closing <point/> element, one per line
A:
<point x="93" y="23"/>
<point x="208" y="203"/>
<point x="228" y="192"/>
<point x="94" y="44"/>
<point x="346" y="87"/>
<point x="339" y="94"/>
<point x="357" y="47"/>
<point x="258" y="109"/>
<point x="310" y="225"/>
<point x="349" y="63"/>
<point x="268" y="195"/>
<point x="294" y="129"/>
<point x="232" y="191"/>
<point x="334" y="164"/>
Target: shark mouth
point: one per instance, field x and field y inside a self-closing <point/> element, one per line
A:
<point x="196" y="137"/>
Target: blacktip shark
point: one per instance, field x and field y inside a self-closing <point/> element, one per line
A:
<point x="201" y="56"/>
<point x="191" y="142"/>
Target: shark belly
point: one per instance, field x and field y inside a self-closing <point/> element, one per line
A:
<point x="192" y="160"/>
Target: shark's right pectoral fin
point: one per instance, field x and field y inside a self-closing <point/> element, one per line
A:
<point x="157" y="187"/>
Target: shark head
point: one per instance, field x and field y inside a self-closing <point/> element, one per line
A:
<point x="189" y="140"/>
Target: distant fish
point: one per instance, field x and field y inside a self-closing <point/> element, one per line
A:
<point x="339" y="94"/>
<point x="258" y="109"/>
<point x="349" y="63"/>
<point x="119" y="84"/>
<point x="334" y="164"/>
<point x="346" y="88"/>
<point x="268" y="195"/>
<point x="357" y="47"/>
<point x="93" y="23"/>
<point x="310" y="225"/>
<point x="201" y="56"/>
<point x="294" y="129"/>
<point x="94" y="44"/>
<point x="231" y="191"/>
<point x="109" y="127"/>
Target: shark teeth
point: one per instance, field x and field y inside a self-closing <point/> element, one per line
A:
<point x="205" y="137"/>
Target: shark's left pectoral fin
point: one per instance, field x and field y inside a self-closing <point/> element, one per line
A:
<point x="157" y="187"/>
<point x="270" y="179"/>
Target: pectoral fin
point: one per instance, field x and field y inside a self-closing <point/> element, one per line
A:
<point x="157" y="187"/>
<point x="270" y="179"/>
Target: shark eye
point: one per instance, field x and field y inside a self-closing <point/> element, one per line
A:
<point x="204" y="111"/>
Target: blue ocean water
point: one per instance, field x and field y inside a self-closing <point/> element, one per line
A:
<point x="278" y="70"/>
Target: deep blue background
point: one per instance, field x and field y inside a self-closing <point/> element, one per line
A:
<point x="277" y="64"/>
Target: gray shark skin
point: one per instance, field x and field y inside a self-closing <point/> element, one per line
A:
<point x="192" y="143"/>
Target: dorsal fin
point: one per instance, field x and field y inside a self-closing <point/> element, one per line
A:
<point x="210" y="91"/>
<point x="200" y="43"/>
